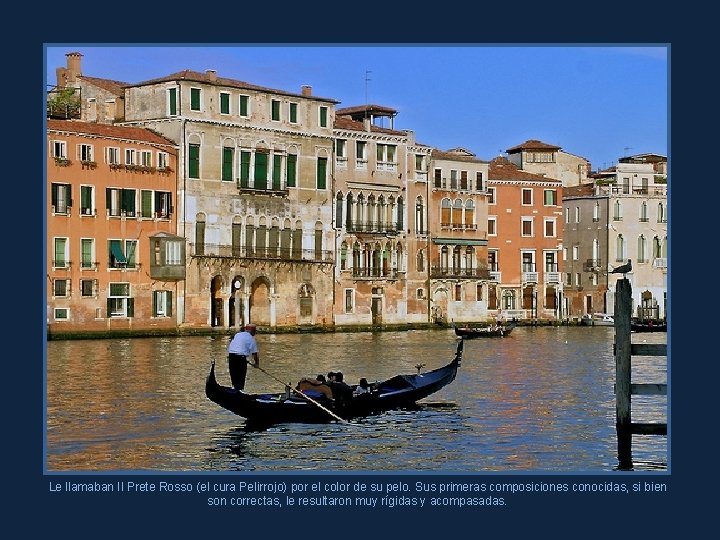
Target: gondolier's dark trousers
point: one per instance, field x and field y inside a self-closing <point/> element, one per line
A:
<point x="237" y="365"/>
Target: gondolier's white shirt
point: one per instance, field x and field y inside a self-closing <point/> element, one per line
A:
<point x="243" y="343"/>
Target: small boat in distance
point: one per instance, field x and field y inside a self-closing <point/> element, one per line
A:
<point x="467" y="332"/>
<point x="400" y="391"/>
<point x="648" y="325"/>
<point x="598" y="319"/>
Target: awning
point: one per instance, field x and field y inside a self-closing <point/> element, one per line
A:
<point x="117" y="253"/>
<point x="460" y="241"/>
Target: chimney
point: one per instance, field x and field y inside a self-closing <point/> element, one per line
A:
<point x="306" y="90"/>
<point x="211" y="74"/>
<point x="68" y="75"/>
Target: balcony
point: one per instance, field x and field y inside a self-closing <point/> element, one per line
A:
<point x="444" y="272"/>
<point x="261" y="253"/>
<point x="660" y="263"/>
<point x="592" y="265"/>
<point x="552" y="277"/>
<point x="376" y="273"/>
<point x="530" y="277"/>
<point x="372" y="227"/>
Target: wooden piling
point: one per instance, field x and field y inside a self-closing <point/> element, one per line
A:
<point x="624" y="350"/>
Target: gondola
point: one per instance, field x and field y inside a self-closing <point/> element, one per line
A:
<point x="400" y="391"/>
<point x="467" y="332"/>
<point x="648" y="326"/>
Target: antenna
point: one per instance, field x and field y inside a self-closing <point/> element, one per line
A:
<point x="626" y="150"/>
<point x="367" y="80"/>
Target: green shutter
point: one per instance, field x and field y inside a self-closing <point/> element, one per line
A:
<point x="277" y="170"/>
<point x="293" y="112"/>
<point x="321" y="173"/>
<point x="85" y="196"/>
<point x="323" y="116"/>
<point x="194" y="161"/>
<point x="168" y="306"/>
<point x="291" y="174"/>
<point x="195" y="99"/>
<point x="243" y="105"/>
<point x="128" y="201"/>
<point x="227" y="164"/>
<point x="155" y="295"/>
<point x="173" y="101"/>
<point x="244" y="169"/>
<point x="130" y="307"/>
<point x="225" y="103"/>
<point x="146" y="206"/>
<point x="275" y="110"/>
<point x="261" y="165"/>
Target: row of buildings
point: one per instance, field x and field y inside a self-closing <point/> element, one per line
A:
<point x="196" y="201"/>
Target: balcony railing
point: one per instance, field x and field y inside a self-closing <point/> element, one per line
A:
<point x="660" y="263"/>
<point x="371" y="227"/>
<point x="376" y="273"/>
<point x="443" y="272"/>
<point x="261" y="253"/>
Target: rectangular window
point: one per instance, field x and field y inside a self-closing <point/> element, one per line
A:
<point x="162" y="303"/>
<point x="87" y="201"/>
<point x="291" y="173"/>
<point x="491" y="195"/>
<point x="227" y="163"/>
<point x="172" y="101"/>
<point x="437" y="176"/>
<point x="146" y="203"/>
<point x="527" y="226"/>
<point x="85" y="152"/>
<point x="492" y="226"/>
<point x="88" y="287"/>
<point x="349" y="300"/>
<point x="119" y="303"/>
<point x="550" y="197"/>
<point x="323" y="116"/>
<point x="146" y="158"/>
<point x="527" y="197"/>
<point x="464" y="180"/>
<point x="479" y="181"/>
<point x="275" y="106"/>
<point x="244" y="169"/>
<point x="453" y="179"/>
<point x="340" y="148"/>
<point x="173" y="252"/>
<point x="61" y="288"/>
<point x="61" y="314"/>
<point x="549" y="228"/>
<point x="129" y="156"/>
<point x="224" y="103"/>
<point x="60" y="259"/>
<point x="360" y="157"/>
<point x="261" y="170"/>
<point x="59" y="149"/>
<point x="458" y="292"/>
<point x="61" y="198"/>
<point x="277" y="172"/>
<point x="163" y="204"/>
<point x="292" y="113"/>
<point x="163" y="160"/>
<point x="322" y="173"/>
<point x="87" y="253"/>
<point x="112" y="155"/>
<point x="194" y="99"/>
<point x="244" y="106"/>
<point x="194" y="161"/>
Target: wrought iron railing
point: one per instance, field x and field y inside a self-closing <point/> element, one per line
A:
<point x="262" y="253"/>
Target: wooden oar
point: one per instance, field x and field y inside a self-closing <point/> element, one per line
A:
<point x="311" y="400"/>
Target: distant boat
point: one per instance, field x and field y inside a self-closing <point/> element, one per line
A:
<point x="648" y="326"/>
<point x="598" y="319"/>
<point x="467" y="332"/>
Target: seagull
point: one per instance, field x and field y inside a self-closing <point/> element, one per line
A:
<point x="623" y="269"/>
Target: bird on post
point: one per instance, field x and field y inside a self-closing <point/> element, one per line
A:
<point x="623" y="269"/>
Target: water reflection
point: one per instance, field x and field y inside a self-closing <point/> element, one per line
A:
<point x="539" y="400"/>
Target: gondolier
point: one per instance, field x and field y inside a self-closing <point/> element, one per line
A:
<point x="242" y="347"/>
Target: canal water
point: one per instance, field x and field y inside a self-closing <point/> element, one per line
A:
<point x="540" y="400"/>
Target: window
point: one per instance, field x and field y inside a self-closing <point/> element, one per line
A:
<point x="88" y="287"/>
<point x="291" y="171"/>
<point x="85" y="152"/>
<point x="112" y="155"/>
<point x="644" y="211"/>
<point x="453" y="179"/>
<point x="120" y="202"/>
<point x="469" y="218"/>
<point x="596" y="212"/>
<point x="421" y="261"/>
<point x="87" y="253"/>
<point x="550" y="228"/>
<point x="245" y="169"/>
<point x="277" y="172"/>
<point x="275" y="110"/>
<point x="194" y="99"/>
<point x="60" y="259"/>
<point x="227" y="164"/>
<point x="617" y="211"/>
<point x="129" y="156"/>
<point x="292" y="113"/>
<point x="550" y="197"/>
<point x="146" y="203"/>
<point x="445" y="213"/>
<point x="61" y="288"/>
<point x="620" y="249"/>
<point x="527" y="197"/>
<point x="420" y="294"/>
<point x="386" y="157"/>
<point x="527" y="226"/>
<point x="119" y="303"/>
<point x="458" y="292"/>
<point x="479" y="181"/>
<point x="163" y="204"/>
<point x="59" y="149"/>
<point x="340" y="145"/>
<point x="146" y="158"/>
<point x="528" y="261"/>
<point x="349" y="300"/>
<point x="163" y="160"/>
<point x="244" y="106"/>
<point x="492" y="226"/>
<point x="87" y="201"/>
<point x="61" y="314"/>
<point x="261" y="170"/>
<point x="438" y="179"/>
<point x="479" y="292"/>
<point x="172" y="101"/>
<point x="162" y="303"/>
<point x="567" y="215"/>
<point x="323" y="116"/>
<point x="642" y="249"/>
<point x="662" y="218"/>
<point x="577" y="214"/>
<point x="419" y="216"/>
<point x="360" y="157"/>
<point x="194" y="161"/>
<point x="224" y="103"/>
<point x="322" y="173"/>
<point x="491" y="195"/>
<point x="60" y="198"/>
<point x="575" y="253"/>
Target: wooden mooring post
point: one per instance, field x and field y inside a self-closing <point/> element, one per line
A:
<point x="624" y="388"/>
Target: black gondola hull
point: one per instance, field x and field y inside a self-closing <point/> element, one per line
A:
<point x="401" y="391"/>
<point x="472" y="333"/>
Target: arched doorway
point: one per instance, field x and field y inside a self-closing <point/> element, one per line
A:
<point x="439" y="308"/>
<point x="216" y="302"/>
<point x="259" y="308"/>
<point x="306" y="295"/>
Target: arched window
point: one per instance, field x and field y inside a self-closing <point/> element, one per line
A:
<point x="400" y="214"/>
<point x="620" y="249"/>
<point x="457" y="261"/>
<point x="617" y="211"/>
<point x="339" y="211"/>
<point x="661" y="213"/>
<point x="421" y="261"/>
<point x="457" y="213"/>
<point x="370" y="213"/>
<point x="596" y="212"/>
<point x="469" y="260"/>
<point x="469" y="219"/>
<point x="356" y="259"/>
<point x="657" y="248"/>
<point x="644" y="211"/>
<point x="444" y="259"/>
<point x="419" y="216"/>
<point x="380" y="214"/>
<point x="360" y="213"/>
<point x="200" y="234"/>
<point x="343" y="256"/>
<point x="445" y="211"/>
<point x="641" y="247"/>
<point x="349" y="213"/>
